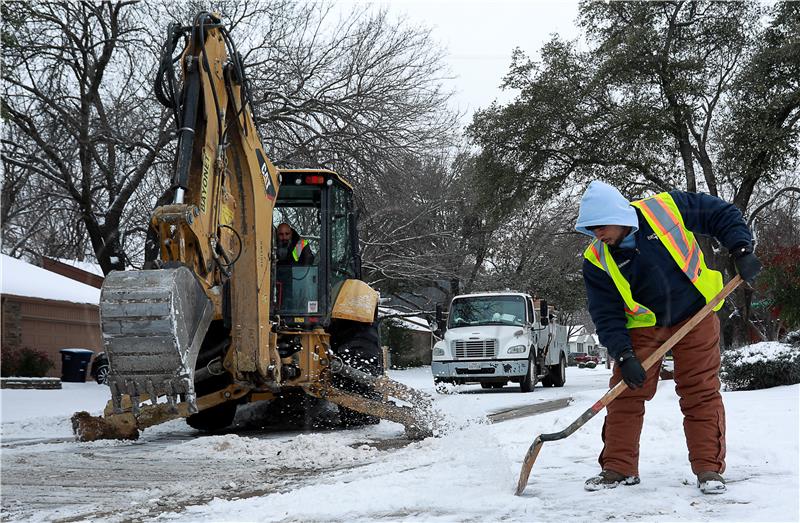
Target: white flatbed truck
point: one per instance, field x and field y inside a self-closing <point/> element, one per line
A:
<point x="497" y="338"/>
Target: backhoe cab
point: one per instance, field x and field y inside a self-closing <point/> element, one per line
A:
<point x="322" y="255"/>
<point x="232" y="312"/>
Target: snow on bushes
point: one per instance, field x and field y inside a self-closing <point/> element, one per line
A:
<point x="761" y="366"/>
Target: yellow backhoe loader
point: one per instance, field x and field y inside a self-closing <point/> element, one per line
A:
<point x="226" y="316"/>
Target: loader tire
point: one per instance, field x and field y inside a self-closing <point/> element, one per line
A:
<point x="221" y="416"/>
<point x="362" y="351"/>
<point x="213" y="419"/>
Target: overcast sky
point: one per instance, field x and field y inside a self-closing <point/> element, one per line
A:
<point x="480" y="35"/>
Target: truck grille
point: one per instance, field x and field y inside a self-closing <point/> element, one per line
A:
<point x="475" y="348"/>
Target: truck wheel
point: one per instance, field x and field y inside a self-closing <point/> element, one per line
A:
<point x="558" y="373"/>
<point x="486" y="385"/>
<point x="363" y="352"/>
<point x="531" y="377"/>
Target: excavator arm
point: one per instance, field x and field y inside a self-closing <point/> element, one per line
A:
<point x="214" y="239"/>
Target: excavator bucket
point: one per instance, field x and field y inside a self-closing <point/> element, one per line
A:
<point x="153" y="325"/>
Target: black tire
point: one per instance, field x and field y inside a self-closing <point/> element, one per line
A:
<point x="558" y="372"/>
<point x="361" y="351"/>
<point x="213" y="419"/>
<point x="528" y="382"/>
<point x="547" y="381"/>
<point x="99" y="369"/>
<point x="101" y="375"/>
<point x="485" y="385"/>
<point x="221" y="416"/>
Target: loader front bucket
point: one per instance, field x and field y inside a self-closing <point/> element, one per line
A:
<point x="153" y="325"/>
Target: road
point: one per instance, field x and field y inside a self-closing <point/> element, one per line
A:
<point x="172" y="466"/>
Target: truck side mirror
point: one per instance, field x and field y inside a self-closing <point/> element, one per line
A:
<point x="440" y="321"/>
<point x="544" y="318"/>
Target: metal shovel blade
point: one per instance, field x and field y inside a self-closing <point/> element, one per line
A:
<point x="527" y="465"/>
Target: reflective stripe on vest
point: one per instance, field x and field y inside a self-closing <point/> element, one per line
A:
<point x="298" y="249"/>
<point x="666" y="221"/>
<point x="663" y="216"/>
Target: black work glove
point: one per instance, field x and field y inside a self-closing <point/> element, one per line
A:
<point x="633" y="373"/>
<point x="747" y="265"/>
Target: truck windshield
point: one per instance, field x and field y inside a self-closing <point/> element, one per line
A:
<point x="487" y="310"/>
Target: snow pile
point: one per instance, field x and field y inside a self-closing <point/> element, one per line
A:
<point x="466" y="473"/>
<point x="760" y="366"/>
<point x="766" y="351"/>
<point x="302" y="451"/>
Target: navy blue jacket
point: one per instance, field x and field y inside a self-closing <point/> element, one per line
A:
<point x="656" y="280"/>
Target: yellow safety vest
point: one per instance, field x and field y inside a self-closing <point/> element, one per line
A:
<point x="666" y="221"/>
<point x="298" y="249"/>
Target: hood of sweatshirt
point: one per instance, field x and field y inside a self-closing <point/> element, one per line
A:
<point x="603" y="204"/>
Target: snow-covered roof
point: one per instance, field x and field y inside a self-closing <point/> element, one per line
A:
<point x="579" y="337"/>
<point x="20" y="278"/>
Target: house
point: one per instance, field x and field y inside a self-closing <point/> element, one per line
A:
<point x="581" y="342"/>
<point x="47" y="311"/>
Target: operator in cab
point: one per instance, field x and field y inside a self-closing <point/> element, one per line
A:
<point x="291" y="248"/>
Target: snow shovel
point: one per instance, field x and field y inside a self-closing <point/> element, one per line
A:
<point x="536" y="446"/>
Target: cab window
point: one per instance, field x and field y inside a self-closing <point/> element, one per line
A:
<point x="296" y="289"/>
<point x="342" y="257"/>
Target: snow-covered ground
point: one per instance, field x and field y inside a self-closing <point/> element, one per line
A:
<point x="469" y="474"/>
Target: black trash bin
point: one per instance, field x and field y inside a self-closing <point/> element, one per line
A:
<point x="74" y="363"/>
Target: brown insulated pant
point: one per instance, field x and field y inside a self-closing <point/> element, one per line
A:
<point x="696" y="358"/>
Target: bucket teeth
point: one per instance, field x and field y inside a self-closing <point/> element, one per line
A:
<point x="153" y="325"/>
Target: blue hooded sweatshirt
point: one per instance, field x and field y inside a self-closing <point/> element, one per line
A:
<point x="603" y="204"/>
<point x="656" y="280"/>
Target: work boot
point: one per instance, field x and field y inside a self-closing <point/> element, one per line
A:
<point x="711" y="482"/>
<point x="609" y="479"/>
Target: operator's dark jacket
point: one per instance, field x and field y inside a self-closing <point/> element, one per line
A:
<point x="656" y="280"/>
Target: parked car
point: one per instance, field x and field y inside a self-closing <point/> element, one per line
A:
<point x="586" y="358"/>
<point x="99" y="369"/>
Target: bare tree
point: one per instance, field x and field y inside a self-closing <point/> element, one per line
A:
<point x="411" y="231"/>
<point x="77" y="90"/>
<point x="357" y="93"/>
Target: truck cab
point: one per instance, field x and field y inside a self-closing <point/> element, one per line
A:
<point x="496" y="338"/>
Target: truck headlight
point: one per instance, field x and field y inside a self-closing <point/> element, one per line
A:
<point x="516" y="349"/>
<point x="438" y="351"/>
